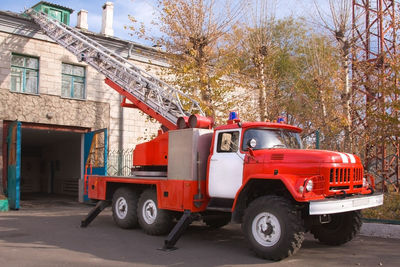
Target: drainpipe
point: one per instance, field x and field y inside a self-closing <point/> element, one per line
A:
<point x="121" y="136"/>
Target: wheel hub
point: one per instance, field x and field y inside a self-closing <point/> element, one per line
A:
<point x="149" y="211"/>
<point x="121" y="208"/>
<point x="266" y="229"/>
<point x="269" y="229"/>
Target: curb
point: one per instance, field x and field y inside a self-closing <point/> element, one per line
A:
<point x="368" y="220"/>
<point x="380" y="230"/>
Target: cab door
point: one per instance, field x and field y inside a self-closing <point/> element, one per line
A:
<point x="14" y="164"/>
<point x="226" y="165"/>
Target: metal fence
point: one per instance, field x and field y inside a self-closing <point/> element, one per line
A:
<point x="119" y="162"/>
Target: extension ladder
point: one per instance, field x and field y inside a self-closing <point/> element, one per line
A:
<point x="153" y="96"/>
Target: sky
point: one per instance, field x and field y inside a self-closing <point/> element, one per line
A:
<point x="142" y="10"/>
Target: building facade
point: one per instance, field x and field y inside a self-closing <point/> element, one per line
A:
<point x="58" y="99"/>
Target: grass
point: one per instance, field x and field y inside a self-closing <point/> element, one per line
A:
<point x="390" y="210"/>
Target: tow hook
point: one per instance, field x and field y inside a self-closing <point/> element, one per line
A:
<point x="326" y="218"/>
<point x="342" y="195"/>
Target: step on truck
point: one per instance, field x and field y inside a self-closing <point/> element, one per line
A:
<point x="256" y="174"/>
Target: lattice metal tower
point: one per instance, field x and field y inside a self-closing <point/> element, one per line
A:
<point x="375" y="37"/>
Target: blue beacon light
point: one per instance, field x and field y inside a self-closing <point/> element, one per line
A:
<point x="232" y="115"/>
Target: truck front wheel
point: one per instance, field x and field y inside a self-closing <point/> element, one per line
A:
<point x="124" y="208"/>
<point x="342" y="228"/>
<point x="273" y="227"/>
<point x="154" y="221"/>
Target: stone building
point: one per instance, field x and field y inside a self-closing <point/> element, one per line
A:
<point x="58" y="99"/>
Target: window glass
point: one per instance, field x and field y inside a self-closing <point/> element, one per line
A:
<point x="17" y="61"/>
<point x="24" y="74"/>
<point x="66" y="87"/>
<point x="271" y="138"/>
<point x="32" y="63"/>
<point x="31" y="81"/>
<point x="78" y="90"/>
<point x="79" y="71"/>
<point x="73" y="81"/>
<point x="65" y="20"/>
<point x="228" y="141"/>
<point x="55" y="14"/>
<point x="16" y="79"/>
<point x="66" y="68"/>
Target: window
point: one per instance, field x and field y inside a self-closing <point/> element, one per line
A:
<point x="271" y="138"/>
<point x="73" y="81"/>
<point x="24" y="74"/>
<point x="228" y="142"/>
<point x="55" y="14"/>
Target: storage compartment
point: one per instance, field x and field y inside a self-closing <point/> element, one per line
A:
<point x="185" y="148"/>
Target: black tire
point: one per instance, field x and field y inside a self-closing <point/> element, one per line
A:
<point x="124" y="208"/>
<point x="154" y="221"/>
<point x="283" y="233"/>
<point x="217" y="221"/>
<point x="342" y="228"/>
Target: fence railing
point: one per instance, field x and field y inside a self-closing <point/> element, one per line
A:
<point x="119" y="162"/>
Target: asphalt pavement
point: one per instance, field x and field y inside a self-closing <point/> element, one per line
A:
<point x="49" y="235"/>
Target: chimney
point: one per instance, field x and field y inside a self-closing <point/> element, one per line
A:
<point x="107" y="19"/>
<point x="82" y="20"/>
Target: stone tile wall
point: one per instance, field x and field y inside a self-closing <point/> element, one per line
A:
<point x="101" y="109"/>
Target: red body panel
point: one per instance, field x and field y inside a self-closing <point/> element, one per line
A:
<point x="152" y="153"/>
<point x="177" y="195"/>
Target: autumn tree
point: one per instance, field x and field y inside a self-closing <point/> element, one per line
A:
<point x="337" y="20"/>
<point x="317" y="90"/>
<point x="269" y="49"/>
<point x="257" y="47"/>
<point x="194" y="37"/>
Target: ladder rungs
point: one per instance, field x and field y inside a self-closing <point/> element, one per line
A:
<point x="145" y="87"/>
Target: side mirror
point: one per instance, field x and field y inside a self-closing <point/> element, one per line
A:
<point x="252" y="143"/>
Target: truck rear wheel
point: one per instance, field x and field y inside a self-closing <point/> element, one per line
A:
<point x="273" y="227"/>
<point x="342" y="228"/>
<point x="154" y="221"/>
<point x="124" y="208"/>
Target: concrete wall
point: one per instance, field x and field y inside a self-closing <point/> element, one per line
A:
<point x="68" y="167"/>
<point x="31" y="173"/>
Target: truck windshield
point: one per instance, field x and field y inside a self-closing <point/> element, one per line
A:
<point x="271" y="138"/>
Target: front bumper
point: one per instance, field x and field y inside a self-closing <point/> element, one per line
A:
<point x="347" y="204"/>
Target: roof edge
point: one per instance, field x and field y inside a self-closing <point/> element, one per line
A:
<point x="54" y="5"/>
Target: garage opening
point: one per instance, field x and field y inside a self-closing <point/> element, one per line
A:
<point x="51" y="164"/>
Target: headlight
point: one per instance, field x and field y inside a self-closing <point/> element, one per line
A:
<point x="309" y="185"/>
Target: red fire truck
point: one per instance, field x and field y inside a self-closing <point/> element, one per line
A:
<point x="253" y="173"/>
